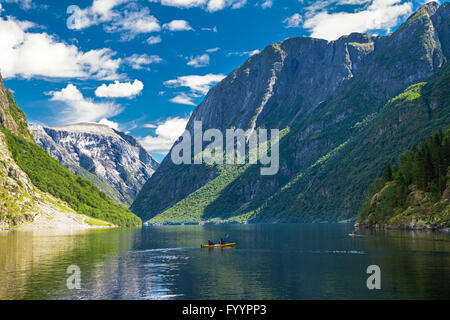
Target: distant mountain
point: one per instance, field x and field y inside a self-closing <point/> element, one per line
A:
<point x="34" y="186"/>
<point x="346" y="108"/>
<point x="114" y="161"/>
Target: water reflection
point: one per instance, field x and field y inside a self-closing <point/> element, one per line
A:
<point x="270" y="262"/>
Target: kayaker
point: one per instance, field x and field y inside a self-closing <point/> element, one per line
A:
<point x="210" y="243"/>
<point x="221" y="241"/>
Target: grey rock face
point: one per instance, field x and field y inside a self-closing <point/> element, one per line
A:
<point x="112" y="160"/>
<point x="287" y="84"/>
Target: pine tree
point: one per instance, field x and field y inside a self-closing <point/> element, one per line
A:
<point x="387" y="176"/>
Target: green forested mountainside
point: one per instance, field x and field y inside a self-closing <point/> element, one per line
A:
<point x="415" y="191"/>
<point x="31" y="167"/>
<point x="348" y="106"/>
<point x="333" y="187"/>
<point x="49" y="176"/>
<point x="331" y="97"/>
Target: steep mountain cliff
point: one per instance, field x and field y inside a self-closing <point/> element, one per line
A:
<point x="35" y="187"/>
<point x="115" y="162"/>
<point x="330" y="99"/>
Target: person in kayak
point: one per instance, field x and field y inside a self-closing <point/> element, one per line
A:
<point x="221" y="241"/>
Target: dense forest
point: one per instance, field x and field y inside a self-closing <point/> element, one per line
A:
<point x="420" y="178"/>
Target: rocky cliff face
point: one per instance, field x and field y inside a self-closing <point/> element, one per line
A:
<point x="17" y="198"/>
<point x="11" y="117"/>
<point x="325" y="94"/>
<point x="16" y="191"/>
<point x="20" y="201"/>
<point x="112" y="160"/>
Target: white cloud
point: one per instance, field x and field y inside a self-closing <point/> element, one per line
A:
<point x="267" y="4"/>
<point x="238" y="4"/>
<point x="24" y="4"/>
<point x="100" y="11"/>
<point x="213" y="50"/>
<point x="167" y="133"/>
<point x="214" y="29"/>
<point x="184" y="98"/>
<point x="111" y="124"/>
<point x="138" y="61"/>
<point x="128" y="22"/>
<point x="120" y="89"/>
<point x="208" y="5"/>
<point x="196" y="83"/>
<point x="293" y="21"/>
<point x="28" y="54"/>
<point x="199" y="61"/>
<point x="177" y="25"/>
<point x="244" y="53"/>
<point x="378" y="15"/>
<point x="80" y="109"/>
<point x="154" y="40"/>
<point x="132" y="23"/>
<point x="216" y="5"/>
<point x="182" y="3"/>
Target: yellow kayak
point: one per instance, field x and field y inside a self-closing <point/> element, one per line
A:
<point x="225" y="245"/>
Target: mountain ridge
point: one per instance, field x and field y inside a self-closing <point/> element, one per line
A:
<point x="283" y="87"/>
<point x="114" y="161"/>
<point x="36" y="190"/>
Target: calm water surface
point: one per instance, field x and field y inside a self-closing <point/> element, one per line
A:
<point x="285" y="261"/>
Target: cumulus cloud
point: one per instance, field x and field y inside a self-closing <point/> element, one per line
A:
<point x="111" y="124"/>
<point x="376" y="15"/>
<point x="199" y="61"/>
<point x="100" y="11"/>
<point x="120" y="89"/>
<point x="154" y="40"/>
<point x="130" y="22"/>
<point x="167" y="132"/>
<point x="197" y="83"/>
<point x="77" y="108"/>
<point x="30" y="54"/>
<point x="139" y="61"/>
<point x="177" y="25"/>
<point x="293" y="21"/>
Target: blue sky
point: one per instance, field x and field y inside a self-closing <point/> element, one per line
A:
<point x="141" y="66"/>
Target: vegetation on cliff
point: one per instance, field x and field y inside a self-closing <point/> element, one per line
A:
<point x="414" y="193"/>
<point x="50" y="176"/>
<point x="27" y="171"/>
<point x="351" y="106"/>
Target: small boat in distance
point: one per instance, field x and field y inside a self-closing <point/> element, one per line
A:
<point x="225" y="245"/>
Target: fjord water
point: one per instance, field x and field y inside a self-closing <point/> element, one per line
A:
<point x="279" y="261"/>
